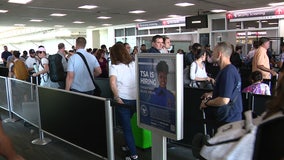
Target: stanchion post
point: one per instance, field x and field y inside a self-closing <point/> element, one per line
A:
<point x="41" y="140"/>
<point x="109" y="130"/>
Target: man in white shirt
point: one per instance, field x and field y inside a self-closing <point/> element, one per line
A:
<point x="31" y="60"/>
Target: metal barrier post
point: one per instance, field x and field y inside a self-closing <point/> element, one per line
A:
<point x="109" y="128"/>
<point x="41" y="140"/>
<point x="9" y="101"/>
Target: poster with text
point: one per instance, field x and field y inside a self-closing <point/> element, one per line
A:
<point x="157" y="93"/>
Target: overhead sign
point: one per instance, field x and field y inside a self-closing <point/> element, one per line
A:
<point x="161" y="23"/>
<point x="255" y="14"/>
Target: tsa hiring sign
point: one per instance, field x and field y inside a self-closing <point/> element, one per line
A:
<point x="157" y="92"/>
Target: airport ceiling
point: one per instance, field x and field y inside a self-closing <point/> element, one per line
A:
<point x="118" y="10"/>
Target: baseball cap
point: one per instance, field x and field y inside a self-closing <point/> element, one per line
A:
<point x="31" y="51"/>
<point x="40" y="49"/>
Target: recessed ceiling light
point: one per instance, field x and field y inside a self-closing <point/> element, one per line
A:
<point x="36" y="20"/>
<point x="184" y="4"/>
<point x="88" y="7"/>
<point x="78" y="22"/>
<point x="272" y="23"/>
<point x="264" y="21"/>
<point x="103" y="17"/>
<point x="106" y="24"/>
<point x="174" y="16"/>
<point x="58" y="26"/>
<point x="137" y="11"/>
<point x="276" y="4"/>
<point x="218" y="10"/>
<point x="139" y="20"/>
<point x="20" y="1"/>
<point x="3" y="11"/>
<point x="20" y="25"/>
<point x="91" y="27"/>
<point x="57" y="14"/>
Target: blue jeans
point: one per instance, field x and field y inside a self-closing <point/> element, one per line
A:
<point x="124" y="115"/>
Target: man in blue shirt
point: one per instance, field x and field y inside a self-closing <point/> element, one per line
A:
<point x="157" y="44"/>
<point x="224" y="104"/>
<point x="5" y="55"/>
<point x="78" y="78"/>
<point x="161" y="96"/>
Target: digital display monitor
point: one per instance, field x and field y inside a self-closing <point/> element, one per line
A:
<point x="200" y="21"/>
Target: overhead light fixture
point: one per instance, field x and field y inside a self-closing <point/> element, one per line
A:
<point x="139" y="20"/>
<point x="174" y="16"/>
<point x="3" y="11"/>
<point x="36" y="20"/>
<point x="57" y="14"/>
<point x="19" y="25"/>
<point x="90" y="27"/>
<point x="137" y="11"/>
<point x="88" y="7"/>
<point x="263" y="21"/>
<point x="276" y="4"/>
<point x="106" y="24"/>
<point x="103" y="17"/>
<point x="184" y="4"/>
<point x="78" y="22"/>
<point x="58" y="26"/>
<point x="20" y="1"/>
<point x="218" y="10"/>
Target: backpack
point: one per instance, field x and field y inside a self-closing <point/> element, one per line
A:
<point x="20" y="70"/>
<point x="56" y="70"/>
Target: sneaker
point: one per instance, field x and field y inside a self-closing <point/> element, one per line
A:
<point x="135" y="157"/>
<point x="124" y="148"/>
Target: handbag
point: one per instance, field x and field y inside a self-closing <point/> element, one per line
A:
<point x="233" y="141"/>
<point x="97" y="90"/>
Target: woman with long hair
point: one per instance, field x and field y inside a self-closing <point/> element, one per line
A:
<point x="123" y="85"/>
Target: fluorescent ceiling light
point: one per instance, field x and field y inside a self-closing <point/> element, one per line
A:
<point x="57" y="14"/>
<point x="78" y="22"/>
<point x="3" y="11"/>
<point x="103" y="17"/>
<point x="19" y="25"/>
<point x="20" y="1"/>
<point x="88" y="7"/>
<point x="272" y="23"/>
<point x="184" y="4"/>
<point x="174" y="16"/>
<point x="91" y="27"/>
<point x="264" y="21"/>
<point x="36" y="20"/>
<point x="106" y="24"/>
<point x="58" y="26"/>
<point x="137" y="11"/>
<point x="218" y="10"/>
<point x="139" y="20"/>
<point x="276" y="4"/>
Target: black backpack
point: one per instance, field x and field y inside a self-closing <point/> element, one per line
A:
<point x="56" y="70"/>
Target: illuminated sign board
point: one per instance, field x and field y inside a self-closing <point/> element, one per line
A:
<point x="255" y="14"/>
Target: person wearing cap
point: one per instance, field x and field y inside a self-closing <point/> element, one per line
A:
<point x="260" y="61"/>
<point x="44" y="69"/>
<point x="31" y="60"/>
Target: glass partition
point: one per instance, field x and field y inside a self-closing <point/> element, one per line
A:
<point x="23" y="100"/>
<point x="3" y="93"/>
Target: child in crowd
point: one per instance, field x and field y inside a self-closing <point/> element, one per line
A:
<point x="257" y="87"/>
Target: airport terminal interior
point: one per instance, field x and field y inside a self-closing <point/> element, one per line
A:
<point x="55" y="124"/>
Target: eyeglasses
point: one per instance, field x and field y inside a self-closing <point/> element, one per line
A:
<point x="39" y="52"/>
